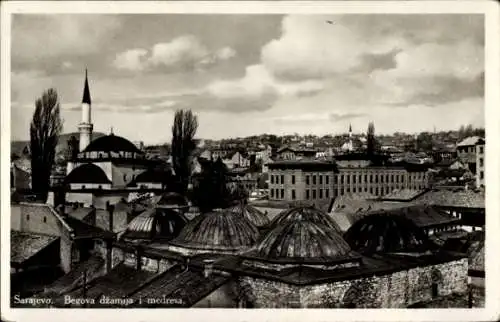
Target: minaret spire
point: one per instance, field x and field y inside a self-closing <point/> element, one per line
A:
<point x="86" y="90"/>
<point x="85" y="127"/>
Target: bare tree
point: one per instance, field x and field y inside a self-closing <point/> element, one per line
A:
<point x="183" y="145"/>
<point x="45" y="128"/>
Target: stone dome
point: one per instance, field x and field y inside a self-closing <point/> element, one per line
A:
<point x="301" y="240"/>
<point x="155" y="224"/>
<point x="218" y="230"/>
<point x="112" y="143"/>
<point x="387" y="233"/>
<point x="87" y="173"/>
<point x="307" y="213"/>
<point x="255" y="216"/>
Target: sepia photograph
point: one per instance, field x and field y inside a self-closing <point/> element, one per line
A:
<point x="272" y="160"/>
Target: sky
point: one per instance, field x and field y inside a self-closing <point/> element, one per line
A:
<point x="252" y="74"/>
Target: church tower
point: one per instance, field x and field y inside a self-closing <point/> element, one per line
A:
<point x="85" y="127"/>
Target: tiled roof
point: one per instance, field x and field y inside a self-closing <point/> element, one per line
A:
<point x="75" y="277"/>
<point x="471" y="140"/>
<point x="402" y="194"/>
<point x="81" y="229"/>
<point x="186" y="286"/>
<point x="79" y="213"/>
<point x="422" y="216"/>
<point x="24" y="245"/>
<point x="120" y="282"/>
<point x="445" y="197"/>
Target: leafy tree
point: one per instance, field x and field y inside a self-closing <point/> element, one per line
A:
<point x="424" y="142"/>
<point x="211" y="190"/>
<point x="183" y="145"/>
<point x="46" y="125"/>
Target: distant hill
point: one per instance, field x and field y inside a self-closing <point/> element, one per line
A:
<point x="17" y="147"/>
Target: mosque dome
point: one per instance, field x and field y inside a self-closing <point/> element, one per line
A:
<point x="307" y="213"/>
<point x="301" y="239"/>
<point x="87" y="173"/>
<point x="256" y="217"/>
<point x="155" y="224"/>
<point x="218" y="230"/>
<point x="112" y="143"/>
<point x="387" y="233"/>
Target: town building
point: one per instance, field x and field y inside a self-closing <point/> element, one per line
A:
<point x="295" y="153"/>
<point x="467" y="151"/>
<point x="317" y="181"/>
<point x="480" y="158"/>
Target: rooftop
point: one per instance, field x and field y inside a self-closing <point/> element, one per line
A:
<point x="471" y="140"/>
<point x="451" y="198"/>
<point x="112" y="143"/>
<point x="87" y="173"/>
<point x="24" y="245"/>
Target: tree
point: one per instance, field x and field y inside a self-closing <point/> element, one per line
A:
<point x="183" y="145"/>
<point x="211" y="190"/>
<point x="73" y="147"/>
<point x="45" y="128"/>
<point x="424" y="142"/>
<point x="371" y="143"/>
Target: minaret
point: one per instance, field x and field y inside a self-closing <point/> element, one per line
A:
<point x="85" y="127"/>
<point x="351" y="146"/>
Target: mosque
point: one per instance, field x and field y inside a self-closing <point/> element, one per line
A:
<point x="109" y="168"/>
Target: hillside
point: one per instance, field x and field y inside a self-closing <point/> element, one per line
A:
<point x="18" y="146"/>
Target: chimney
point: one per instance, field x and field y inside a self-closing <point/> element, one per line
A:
<point x="110" y="208"/>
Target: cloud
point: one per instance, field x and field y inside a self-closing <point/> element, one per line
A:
<point x="182" y="53"/>
<point x="53" y="37"/>
<point x="335" y="117"/>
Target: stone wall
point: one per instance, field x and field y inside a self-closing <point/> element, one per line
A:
<point x="396" y="290"/>
<point x="66" y="251"/>
<point x="15" y="217"/>
<point x="38" y="219"/>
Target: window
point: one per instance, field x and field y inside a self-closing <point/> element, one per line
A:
<point x="360" y="178"/>
<point x="272" y="179"/>
<point x="27" y="217"/>
<point x="366" y="189"/>
<point x="272" y="193"/>
<point x="327" y="179"/>
<point x="293" y="194"/>
<point x="327" y="193"/>
<point x="282" y="193"/>
<point x="335" y="180"/>
<point x="320" y="193"/>
<point x="335" y="192"/>
<point x="314" y="194"/>
<point x="282" y="179"/>
<point x="307" y="194"/>
<point x="354" y="179"/>
<point x="382" y="178"/>
<point x="44" y="219"/>
<point x="307" y="179"/>
<point x="314" y="179"/>
<point x="392" y="178"/>
<point x="481" y="162"/>
<point x="354" y="189"/>
<point x="386" y="178"/>
<point x="481" y="175"/>
<point x="348" y="178"/>
<point x="376" y="191"/>
<point x="342" y="179"/>
<point x="371" y="190"/>
<point x="376" y="178"/>
<point x="293" y="179"/>
<point x="348" y="190"/>
<point x="366" y="178"/>
<point x="481" y="149"/>
<point x="320" y="179"/>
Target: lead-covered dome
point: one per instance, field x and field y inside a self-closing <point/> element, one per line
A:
<point x="155" y="224"/>
<point x="255" y="216"/>
<point x="218" y="230"/>
<point x="387" y="233"/>
<point x="112" y="143"/>
<point x="307" y="213"/>
<point x="87" y="173"/>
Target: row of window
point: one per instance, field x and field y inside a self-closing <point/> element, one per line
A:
<point x="311" y="194"/>
<point x="280" y="179"/>
<point x="279" y="193"/>
<point x="320" y="179"/>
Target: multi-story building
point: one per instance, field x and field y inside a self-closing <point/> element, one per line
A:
<point x="466" y="151"/>
<point x="317" y="181"/>
<point x="480" y="156"/>
<point x="292" y="153"/>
